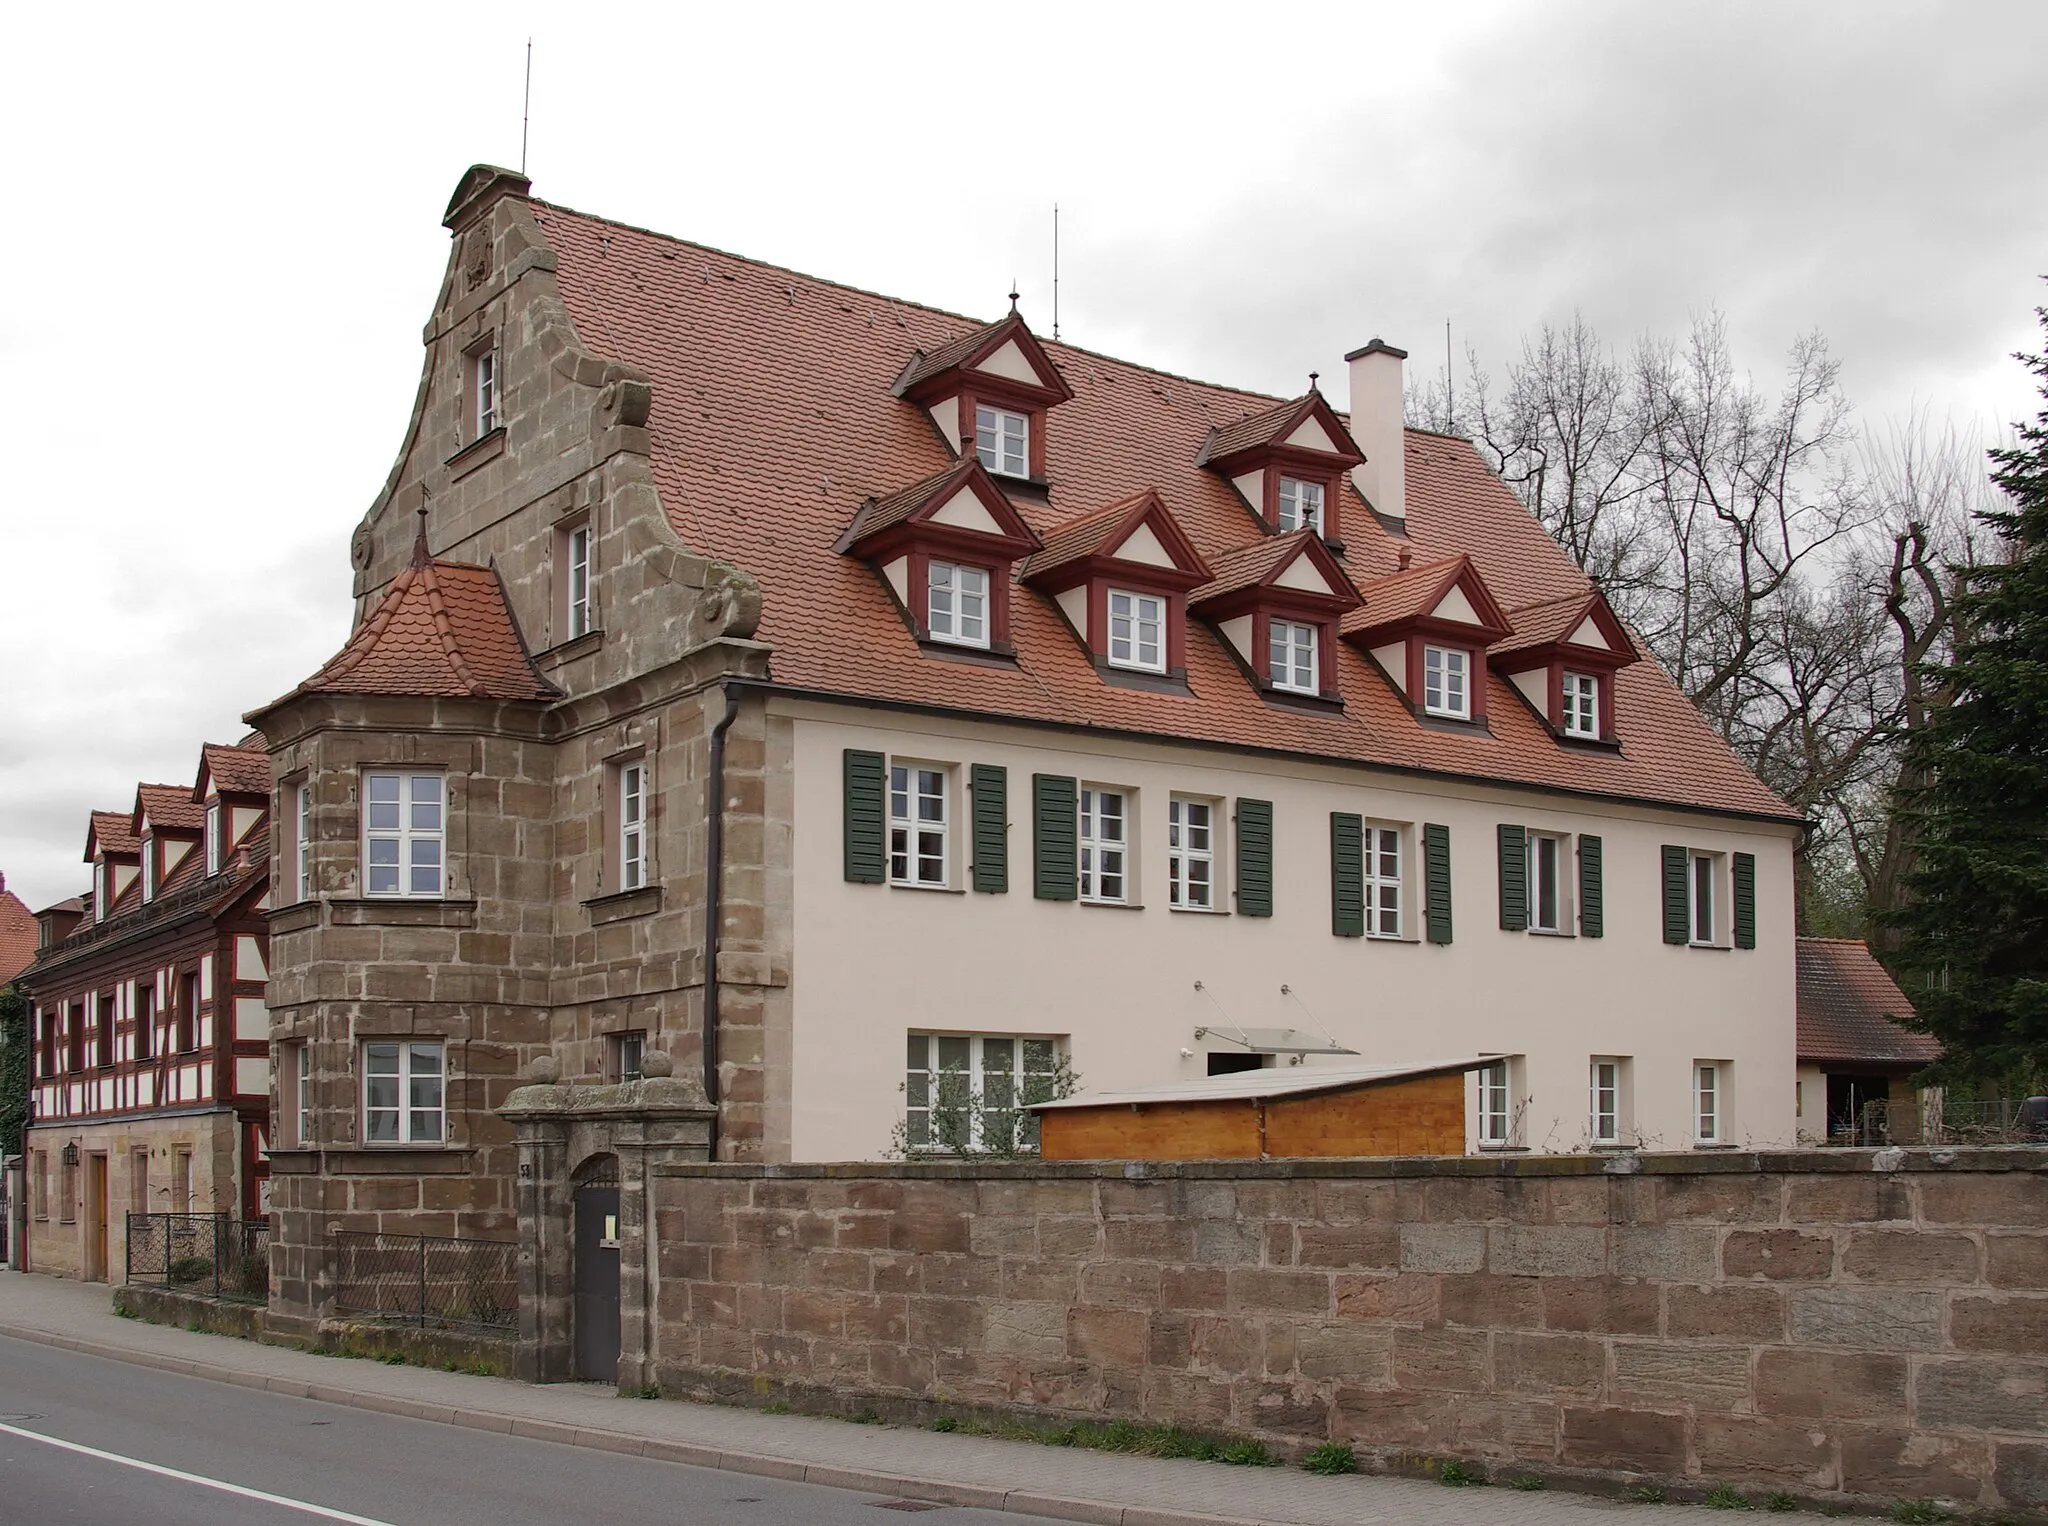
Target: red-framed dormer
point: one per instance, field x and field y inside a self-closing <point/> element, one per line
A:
<point x="987" y="394"/>
<point x="1562" y="659"/>
<point x="168" y="825"/>
<point x="1288" y="464"/>
<point x="1121" y="576"/>
<point x="945" y="547"/>
<point x="116" y="859"/>
<point x="233" y="790"/>
<point x="1428" y="628"/>
<point x="1278" y="605"/>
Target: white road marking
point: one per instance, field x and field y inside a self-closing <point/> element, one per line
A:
<point x="194" y="1478"/>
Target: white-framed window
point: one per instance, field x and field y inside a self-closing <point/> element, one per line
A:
<point x="625" y="1056"/>
<point x="1604" y="1100"/>
<point x="148" y="867"/>
<point x="1002" y="439"/>
<point x="1301" y="504"/>
<point x="212" y="838"/>
<point x="1191" y="854"/>
<point x="1137" y="631"/>
<point x="302" y="1083"/>
<point x="1547" y="904"/>
<point x="302" y="869"/>
<point x="1700" y="880"/>
<point x="405" y="1091"/>
<point x="1581" y="705"/>
<point x="957" y="603"/>
<point x="632" y="825"/>
<point x="967" y="1091"/>
<point x="918" y="825"/>
<point x="1105" y="844"/>
<point x="99" y="890"/>
<point x="1447" y="682"/>
<point x="1708" y="1100"/>
<point x="577" y="545"/>
<point x="1382" y="881"/>
<point x="1496" y="1111"/>
<point x="404" y="832"/>
<point x="483" y="377"/>
<point x="1291" y="658"/>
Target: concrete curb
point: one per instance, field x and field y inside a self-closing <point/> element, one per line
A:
<point x="900" y="1486"/>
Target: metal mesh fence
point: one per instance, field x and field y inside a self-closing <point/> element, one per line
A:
<point x="1934" y="1119"/>
<point x="427" y="1280"/>
<point x="207" y="1253"/>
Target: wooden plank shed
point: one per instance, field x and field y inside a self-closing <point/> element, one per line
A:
<point x="1298" y="1110"/>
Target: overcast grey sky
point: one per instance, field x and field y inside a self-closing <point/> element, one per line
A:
<point x="223" y="238"/>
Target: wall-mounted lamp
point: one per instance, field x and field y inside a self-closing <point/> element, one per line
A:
<point x="71" y="1153"/>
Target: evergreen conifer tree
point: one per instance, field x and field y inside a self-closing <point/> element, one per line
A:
<point x="1975" y="923"/>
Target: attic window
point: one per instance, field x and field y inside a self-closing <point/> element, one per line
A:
<point x="1137" y="631"/>
<point x="148" y="868"/>
<point x="1301" y="504"/>
<point x="957" y="604"/>
<point x="1294" y="664"/>
<point x="1446" y="682"/>
<point x="1002" y="439"/>
<point x="213" y="844"/>
<point x="483" y="377"/>
<point x="1581" y="705"/>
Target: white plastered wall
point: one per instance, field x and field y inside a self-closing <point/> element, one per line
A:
<point x="874" y="962"/>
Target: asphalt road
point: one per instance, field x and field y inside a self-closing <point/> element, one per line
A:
<point x="323" y="1462"/>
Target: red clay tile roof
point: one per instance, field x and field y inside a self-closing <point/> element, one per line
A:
<point x="18" y="934"/>
<point x="241" y="770"/>
<point x="1404" y="594"/>
<point x="112" y="832"/>
<point x="441" y="629"/>
<point x="1265" y="427"/>
<point x="949" y="355"/>
<point x="168" y="805"/>
<point x="1086" y="535"/>
<point x="724" y="342"/>
<point x="1847" y="1006"/>
<point x="1248" y="566"/>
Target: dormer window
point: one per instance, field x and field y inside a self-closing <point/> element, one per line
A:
<point x="212" y="838"/>
<point x="1293" y="662"/>
<point x="1581" y="705"/>
<point x="1301" y="505"/>
<point x="483" y="379"/>
<point x="1137" y="631"/>
<point x="1002" y="439"/>
<point x="99" y="891"/>
<point x="958" y="610"/>
<point x="1447" y="682"/>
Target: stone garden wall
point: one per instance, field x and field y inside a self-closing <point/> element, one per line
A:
<point x="1835" y="1324"/>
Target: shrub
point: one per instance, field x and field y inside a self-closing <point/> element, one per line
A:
<point x="1726" y="1497"/>
<point x="1453" y="1474"/>
<point x="1918" y="1513"/>
<point x="1779" y="1501"/>
<point x="1332" y="1458"/>
<point x="1245" y="1454"/>
<point x="1529" y="1483"/>
<point x="944" y="1423"/>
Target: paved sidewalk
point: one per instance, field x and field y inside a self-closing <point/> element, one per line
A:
<point x="903" y="1463"/>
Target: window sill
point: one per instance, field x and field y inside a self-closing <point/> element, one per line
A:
<point x="479" y="451"/>
<point x="1503" y="1149"/>
<point x="569" y="651"/>
<point x="1714" y="947"/>
<point x="1112" y="905"/>
<point x="395" y="1160"/>
<point x="623" y="905"/>
<point x="295" y="917"/>
<point x="1549" y="932"/>
<point x="398" y="911"/>
<point x="927" y="889"/>
<point x="1198" y="911"/>
<point x="1396" y="938"/>
<point x="1700" y="1144"/>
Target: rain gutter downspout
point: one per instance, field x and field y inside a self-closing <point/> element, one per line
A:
<point x="714" y="899"/>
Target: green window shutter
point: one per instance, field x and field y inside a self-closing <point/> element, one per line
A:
<point x="990" y="786"/>
<point x="1592" y="915"/>
<point x="1436" y="881"/>
<point x="1677" y="923"/>
<point x="1255" y="858"/>
<point x="1055" y="815"/>
<point x="1745" y="900"/>
<point x="1347" y="875"/>
<point x="867" y="816"/>
<point x="1514" y="880"/>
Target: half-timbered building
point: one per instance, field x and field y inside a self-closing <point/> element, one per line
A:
<point x="150" y="1065"/>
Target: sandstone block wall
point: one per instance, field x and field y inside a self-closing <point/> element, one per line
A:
<point x="1806" y="1321"/>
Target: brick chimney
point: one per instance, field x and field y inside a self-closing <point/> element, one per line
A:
<point x="1376" y="425"/>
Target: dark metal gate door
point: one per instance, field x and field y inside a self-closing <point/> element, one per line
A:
<point x="597" y="1281"/>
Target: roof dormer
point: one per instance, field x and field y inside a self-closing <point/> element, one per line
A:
<point x="115" y="856"/>
<point x="1121" y="577"/>
<point x="1428" y="628"/>
<point x="1562" y="659"/>
<point x="233" y="788"/>
<point x="944" y="547"/>
<point x="990" y="388"/>
<point x="1288" y="464"/>
<point x="1277" y="603"/>
<point x="167" y="824"/>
